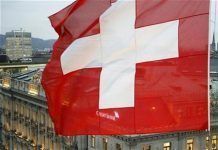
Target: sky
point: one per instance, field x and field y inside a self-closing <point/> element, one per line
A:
<point x="32" y="16"/>
<point x="214" y="19"/>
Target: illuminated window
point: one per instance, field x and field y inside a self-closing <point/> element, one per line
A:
<point x="6" y="82"/>
<point x="118" y="146"/>
<point x="33" y="89"/>
<point x="42" y="118"/>
<point x="104" y="143"/>
<point x="214" y="142"/>
<point x="167" y="146"/>
<point x="93" y="141"/>
<point x="189" y="144"/>
<point x="146" y="147"/>
<point x="207" y="143"/>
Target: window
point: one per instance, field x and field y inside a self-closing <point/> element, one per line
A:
<point x="214" y="142"/>
<point x="189" y="144"/>
<point x="6" y="82"/>
<point x="42" y="119"/>
<point x="93" y="141"/>
<point x="146" y="147"/>
<point x="33" y="89"/>
<point x="207" y="143"/>
<point x="34" y="115"/>
<point x="104" y="143"/>
<point x="167" y="146"/>
<point x="118" y="146"/>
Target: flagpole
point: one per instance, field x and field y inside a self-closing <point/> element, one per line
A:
<point x="215" y="19"/>
<point x="211" y="31"/>
<point x="208" y="73"/>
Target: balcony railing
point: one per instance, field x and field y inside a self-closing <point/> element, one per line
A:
<point x="30" y="88"/>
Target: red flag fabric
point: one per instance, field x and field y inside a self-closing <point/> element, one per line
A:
<point x="129" y="67"/>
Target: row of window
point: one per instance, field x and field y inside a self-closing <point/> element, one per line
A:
<point x="166" y="145"/>
<point x="41" y="134"/>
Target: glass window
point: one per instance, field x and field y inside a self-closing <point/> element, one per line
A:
<point x="6" y="82"/>
<point x="207" y="143"/>
<point x="146" y="147"/>
<point x="104" y="143"/>
<point x="214" y="142"/>
<point x="33" y="89"/>
<point x="167" y="146"/>
<point x="93" y="141"/>
<point x="22" y="109"/>
<point x="16" y="107"/>
<point x="190" y="144"/>
<point x="34" y="114"/>
<point x="118" y="146"/>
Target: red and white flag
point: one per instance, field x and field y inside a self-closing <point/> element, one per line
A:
<point x="129" y="67"/>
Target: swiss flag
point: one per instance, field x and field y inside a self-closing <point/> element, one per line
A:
<point x="129" y="67"/>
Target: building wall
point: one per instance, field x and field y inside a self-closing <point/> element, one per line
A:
<point x="27" y="125"/>
<point x="156" y="142"/>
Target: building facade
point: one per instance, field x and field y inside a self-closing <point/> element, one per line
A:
<point x="18" y="44"/>
<point x="26" y="125"/>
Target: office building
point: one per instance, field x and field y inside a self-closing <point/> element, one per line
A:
<point x="18" y="44"/>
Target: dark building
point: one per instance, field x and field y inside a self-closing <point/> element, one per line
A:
<point x="4" y="58"/>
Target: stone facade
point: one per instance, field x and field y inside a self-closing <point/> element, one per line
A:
<point x="25" y="122"/>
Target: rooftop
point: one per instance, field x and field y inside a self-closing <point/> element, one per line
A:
<point x="18" y="33"/>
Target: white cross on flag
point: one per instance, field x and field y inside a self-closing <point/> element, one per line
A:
<point x="129" y="67"/>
